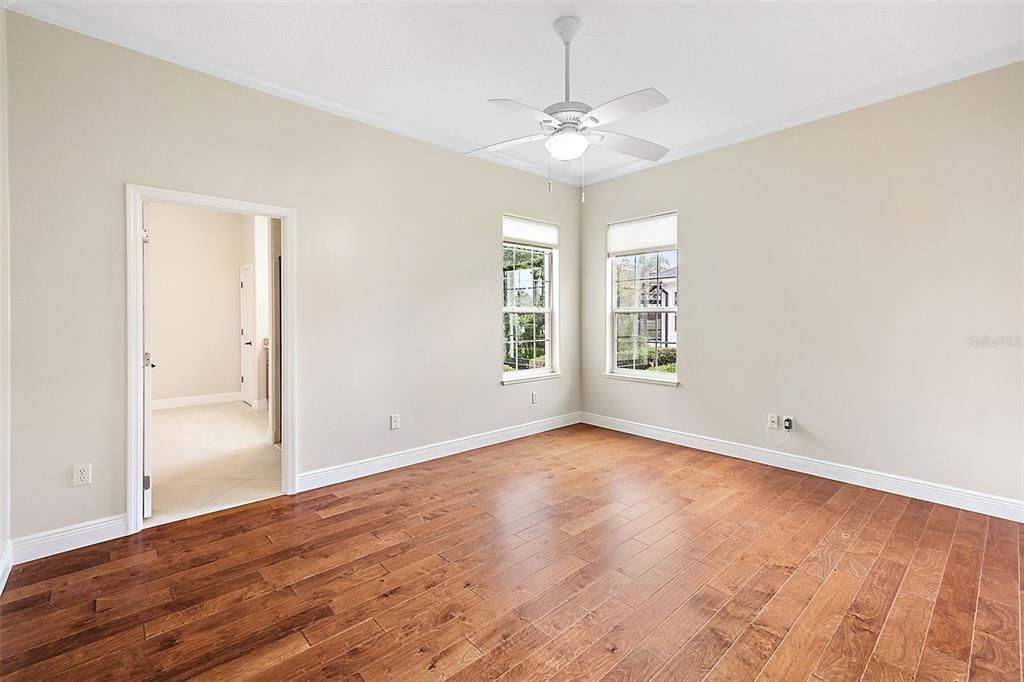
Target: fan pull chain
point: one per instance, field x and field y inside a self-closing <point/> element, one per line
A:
<point x="583" y="179"/>
<point x="549" y="173"/>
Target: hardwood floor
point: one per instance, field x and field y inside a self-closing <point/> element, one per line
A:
<point x="574" y="554"/>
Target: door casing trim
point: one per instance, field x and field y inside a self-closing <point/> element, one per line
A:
<point x="135" y="197"/>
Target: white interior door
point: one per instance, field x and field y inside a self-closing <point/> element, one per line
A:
<point x="148" y="364"/>
<point x="248" y="338"/>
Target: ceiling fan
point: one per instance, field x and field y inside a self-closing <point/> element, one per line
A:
<point x="569" y="128"/>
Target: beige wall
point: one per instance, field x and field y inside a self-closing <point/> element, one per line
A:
<point x="195" y="255"/>
<point x="834" y="272"/>
<point x="5" y="348"/>
<point x="398" y="256"/>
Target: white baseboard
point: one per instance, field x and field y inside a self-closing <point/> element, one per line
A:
<point x="191" y="400"/>
<point x="374" y="465"/>
<point x="47" y="543"/>
<point x="993" y="505"/>
<point x="6" y="563"/>
<point x="50" y="542"/>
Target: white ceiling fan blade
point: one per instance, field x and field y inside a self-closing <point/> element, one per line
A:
<point x="627" y="144"/>
<point x="525" y="109"/>
<point x="507" y="143"/>
<point x="623" y="107"/>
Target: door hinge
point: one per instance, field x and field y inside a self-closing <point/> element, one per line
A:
<point x="145" y="236"/>
<point x="146" y="483"/>
<point x="146" y="359"/>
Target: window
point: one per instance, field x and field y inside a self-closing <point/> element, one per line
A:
<point x="643" y="292"/>
<point x="528" y="267"/>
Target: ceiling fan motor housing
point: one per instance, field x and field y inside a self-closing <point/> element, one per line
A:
<point x="568" y="112"/>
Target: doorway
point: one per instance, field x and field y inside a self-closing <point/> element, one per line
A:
<point x="210" y="424"/>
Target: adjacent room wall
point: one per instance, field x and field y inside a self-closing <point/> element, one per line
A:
<point x="195" y="255"/>
<point x="842" y="272"/>
<point x="261" y="276"/>
<point x="398" y="259"/>
<point x="5" y="346"/>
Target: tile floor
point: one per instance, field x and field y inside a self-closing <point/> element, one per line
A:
<point x="210" y="457"/>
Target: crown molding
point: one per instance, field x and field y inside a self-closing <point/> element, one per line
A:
<point x="69" y="18"/>
<point x="962" y="68"/>
<point x="66" y="17"/>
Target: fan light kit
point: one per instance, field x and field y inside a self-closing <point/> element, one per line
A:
<point x="569" y="128"/>
<point x="567" y="145"/>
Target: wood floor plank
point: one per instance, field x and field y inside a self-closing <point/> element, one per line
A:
<point x="674" y="632"/>
<point x="654" y="612"/>
<point x="996" y="649"/>
<point x="851" y="647"/>
<point x="799" y="651"/>
<point x="807" y="568"/>
<point x="857" y="561"/>
<point x="995" y="654"/>
<point x="312" y="660"/>
<point x="684" y="622"/>
<point x="701" y="654"/>
<point x="900" y="645"/>
<point x="637" y="666"/>
<point x="578" y="553"/>
<point x="848" y="653"/>
<point x="564" y="646"/>
<point x="948" y="645"/>
<point x="898" y="649"/>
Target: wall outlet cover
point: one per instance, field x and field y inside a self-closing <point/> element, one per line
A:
<point x="81" y="474"/>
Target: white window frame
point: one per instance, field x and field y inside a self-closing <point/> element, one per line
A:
<point x="611" y="371"/>
<point x="553" y="369"/>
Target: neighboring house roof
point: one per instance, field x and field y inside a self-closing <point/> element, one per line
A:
<point x="669" y="273"/>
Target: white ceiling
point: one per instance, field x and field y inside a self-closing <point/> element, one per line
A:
<point x="730" y="71"/>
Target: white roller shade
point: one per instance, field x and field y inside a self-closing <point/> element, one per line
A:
<point x="644" y="234"/>
<point x="529" y="231"/>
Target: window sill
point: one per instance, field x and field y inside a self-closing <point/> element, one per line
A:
<point x="512" y="379"/>
<point x="669" y="380"/>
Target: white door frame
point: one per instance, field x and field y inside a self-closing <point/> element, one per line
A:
<point x="135" y="197"/>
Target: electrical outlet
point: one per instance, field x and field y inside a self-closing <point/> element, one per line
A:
<point x="788" y="423"/>
<point x="396" y="422"/>
<point x="81" y="474"/>
<point x="534" y="397"/>
<point x="773" y="421"/>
